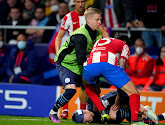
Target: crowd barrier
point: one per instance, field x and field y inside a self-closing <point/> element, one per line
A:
<point x="121" y="29"/>
<point x="37" y="100"/>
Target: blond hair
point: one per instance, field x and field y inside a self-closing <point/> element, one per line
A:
<point x="91" y="11"/>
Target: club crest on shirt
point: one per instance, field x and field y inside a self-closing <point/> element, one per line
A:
<point x="67" y="80"/>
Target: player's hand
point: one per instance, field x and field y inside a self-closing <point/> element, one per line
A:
<point x="128" y="25"/>
<point x="115" y="107"/>
<point x="11" y="78"/>
<point x="163" y="28"/>
<point x="142" y="109"/>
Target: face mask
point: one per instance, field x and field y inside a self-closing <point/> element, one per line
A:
<point x="54" y="8"/>
<point x="21" y="45"/>
<point x="139" y="50"/>
<point x="1" y="44"/>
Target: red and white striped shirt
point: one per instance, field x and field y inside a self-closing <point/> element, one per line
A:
<point x="108" y="50"/>
<point x="110" y="19"/>
<point x="72" y="21"/>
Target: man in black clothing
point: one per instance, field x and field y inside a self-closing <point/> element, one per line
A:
<point x="150" y="14"/>
<point x="54" y="19"/>
<point x="15" y="19"/>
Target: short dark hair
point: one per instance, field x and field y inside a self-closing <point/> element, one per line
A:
<point x="40" y="6"/>
<point x="140" y="39"/>
<point x="15" y="7"/>
<point x="123" y="37"/>
<point x="62" y="1"/>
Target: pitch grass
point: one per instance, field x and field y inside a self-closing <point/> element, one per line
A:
<point x="21" y="120"/>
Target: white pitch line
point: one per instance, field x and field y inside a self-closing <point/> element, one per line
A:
<point x="24" y="119"/>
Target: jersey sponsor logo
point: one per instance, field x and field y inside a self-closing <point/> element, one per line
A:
<point x="75" y="22"/>
<point x="63" y="23"/>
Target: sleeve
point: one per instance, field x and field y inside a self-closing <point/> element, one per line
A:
<point x="128" y="69"/>
<point x="154" y="74"/>
<point x="3" y="65"/>
<point x="9" y="68"/>
<point x="80" y="43"/>
<point x="65" y="23"/>
<point x="125" y="52"/>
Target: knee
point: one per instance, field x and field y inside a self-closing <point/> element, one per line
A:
<point x="70" y="93"/>
<point x="134" y="92"/>
<point x="82" y="93"/>
<point x="130" y="88"/>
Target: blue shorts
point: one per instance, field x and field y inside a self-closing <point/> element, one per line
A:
<point x="115" y="75"/>
<point x="68" y="77"/>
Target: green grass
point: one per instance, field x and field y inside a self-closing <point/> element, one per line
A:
<point x="21" y="120"/>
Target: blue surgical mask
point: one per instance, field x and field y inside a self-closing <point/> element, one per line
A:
<point x="21" y="44"/>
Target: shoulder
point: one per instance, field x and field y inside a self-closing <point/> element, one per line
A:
<point x="132" y="56"/>
<point x="78" y="38"/>
<point x="13" y="50"/>
<point x="68" y="15"/>
<point x="66" y="20"/>
<point x="148" y="56"/>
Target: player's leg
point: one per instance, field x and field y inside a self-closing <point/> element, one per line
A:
<point x="151" y="122"/>
<point x="93" y="95"/>
<point x="150" y="114"/>
<point x="134" y="99"/>
<point x="116" y="76"/>
<point x="70" y="91"/>
<point x="83" y="98"/>
<point x="68" y="81"/>
<point x="64" y="114"/>
<point x="90" y="74"/>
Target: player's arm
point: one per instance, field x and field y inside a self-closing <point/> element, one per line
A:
<point x="31" y="31"/>
<point x="80" y="44"/>
<point x="118" y="97"/>
<point x="122" y="63"/>
<point x="124" y="56"/>
<point x="58" y="40"/>
<point x="63" y="28"/>
<point x="103" y="31"/>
